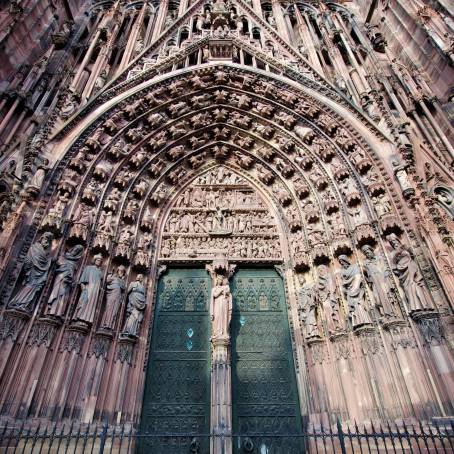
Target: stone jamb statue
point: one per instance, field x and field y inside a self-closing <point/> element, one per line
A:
<point x="136" y="306"/>
<point x="354" y="293"/>
<point x="90" y="282"/>
<point x="406" y="269"/>
<point x="379" y="281"/>
<point x="115" y="287"/>
<point x="36" y="270"/>
<point x="64" y="281"/>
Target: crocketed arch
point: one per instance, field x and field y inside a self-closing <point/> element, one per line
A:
<point x="154" y="121"/>
<point x="295" y="134"/>
<point x="315" y="163"/>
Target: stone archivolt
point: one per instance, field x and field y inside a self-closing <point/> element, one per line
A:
<point x="221" y="162"/>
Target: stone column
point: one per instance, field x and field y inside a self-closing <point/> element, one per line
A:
<point x="221" y="358"/>
<point x="280" y="21"/>
<point x="132" y="40"/>
<point x="161" y="17"/>
<point x="221" y="396"/>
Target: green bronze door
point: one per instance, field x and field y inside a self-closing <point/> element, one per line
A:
<point x="177" y="388"/>
<point x="265" y="396"/>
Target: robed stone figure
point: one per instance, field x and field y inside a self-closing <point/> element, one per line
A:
<point x="115" y="287"/>
<point x="90" y="282"/>
<point x="64" y="280"/>
<point x="354" y="293"/>
<point x="221" y="308"/>
<point x="135" y="308"/>
<point x="378" y="279"/>
<point x="410" y="278"/>
<point x="325" y="296"/>
<point x="308" y="308"/>
<point x="36" y="270"/>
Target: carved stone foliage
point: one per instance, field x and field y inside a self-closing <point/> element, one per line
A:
<point x="431" y="329"/>
<point x="73" y="341"/>
<point x="41" y="333"/>
<point x="11" y="324"/>
<point x="220" y="213"/>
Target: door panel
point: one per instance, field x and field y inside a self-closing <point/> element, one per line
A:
<point x="265" y="396"/>
<point x="177" y="390"/>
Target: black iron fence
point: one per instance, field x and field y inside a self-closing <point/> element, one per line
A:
<point x="90" y="439"/>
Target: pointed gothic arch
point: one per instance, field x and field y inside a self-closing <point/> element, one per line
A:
<point x="317" y="161"/>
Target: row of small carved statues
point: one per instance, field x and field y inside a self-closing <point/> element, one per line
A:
<point x="36" y="272"/>
<point x="321" y="297"/>
<point x="240" y="247"/>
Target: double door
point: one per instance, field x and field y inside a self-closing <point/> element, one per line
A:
<point x="176" y="406"/>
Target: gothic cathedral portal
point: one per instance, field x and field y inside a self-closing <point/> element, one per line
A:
<point x="226" y="226"/>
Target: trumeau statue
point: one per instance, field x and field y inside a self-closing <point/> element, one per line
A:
<point x="64" y="281"/>
<point x="379" y="281"/>
<point x="353" y="290"/>
<point x="36" y="270"/>
<point x="90" y="282"/>
<point x="115" y="287"/>
<point x="221" y="308"/>
<point x="406" y="269"/>
<point x="135" y="308"/>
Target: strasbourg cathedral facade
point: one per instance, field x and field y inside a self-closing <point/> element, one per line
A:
<point x="226" y="217"/>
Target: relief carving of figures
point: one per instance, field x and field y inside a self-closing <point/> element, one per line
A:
<point x="90" y="282"/>
<point x="315" y="233"/>
<point x="336" y="223"/>
<point x="402" y="177"/>
<point x="36" y="182"/>
<point x="135" y="308"/>
<point x="124" y="243"/>
<point x="353" y="290"/>
<point x="112" y="200"/>
<point x="357" y="215"/>
<point x="55" y="217"/>
<point x="325" y="296"/>
<point x="379" y="281"/>
<point x="382" y="204"/>
<point x="64" y="281"/>
<point x="105" y="231"/>
<point x="82" y="222"/>
<point x="115" y="287"/>
<point x="91" y="192"/>
<point x="406" y="269"/>
<point x="35" y="271"/>
<point x="307" y="306"/>
<point x="123" y="178"/>
<point x="143" y="248"/>
<point x="131" y="209"/>
<point x="221" y="308"/>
